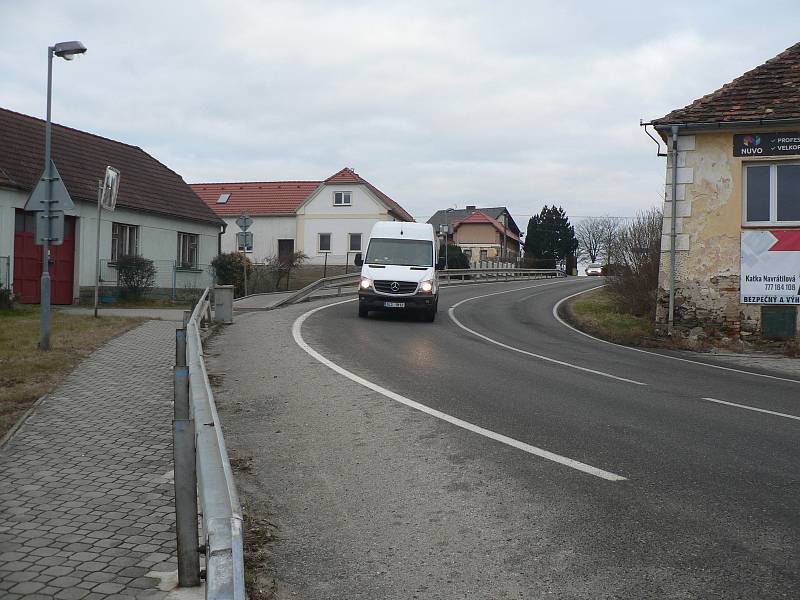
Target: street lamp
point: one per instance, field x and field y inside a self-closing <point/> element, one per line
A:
<point x="67" y="51"/>
<point x="449" y="212"/>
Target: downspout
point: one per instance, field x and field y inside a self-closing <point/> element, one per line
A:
<point x="673" y="231"/>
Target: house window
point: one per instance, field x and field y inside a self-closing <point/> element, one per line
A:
<point x="341" y="198"/>
<point x="468" y="253"/>
<point x="484" y="254"/>
<point x="223" y="198"/>
<point x="355" y="242"/>
<point x="244" y="241"/>
<point x="187" y="250"/>
<point x="772" y="194"/>
<point x="324" y="242"/>
<point x="124" y="240"/>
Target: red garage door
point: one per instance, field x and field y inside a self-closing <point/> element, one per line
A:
<point x="28" y="262"/>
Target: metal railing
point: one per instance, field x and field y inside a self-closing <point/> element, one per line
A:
<point x="446" y="277"/>
<point x="198" y="430"/>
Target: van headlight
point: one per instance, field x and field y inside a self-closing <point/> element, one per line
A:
<point x="426" y="286"/>
<point x="366" y="283"/>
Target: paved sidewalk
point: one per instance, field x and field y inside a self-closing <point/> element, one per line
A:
<point x="86" y="499"/>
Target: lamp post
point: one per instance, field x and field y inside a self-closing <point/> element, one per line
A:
<point x="449" y="212"/>
<point x="67" y="51"/>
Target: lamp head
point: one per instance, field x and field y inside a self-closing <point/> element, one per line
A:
<point x="68" y="50"/>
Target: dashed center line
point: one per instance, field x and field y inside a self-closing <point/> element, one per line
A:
<point x="753" y="408"/>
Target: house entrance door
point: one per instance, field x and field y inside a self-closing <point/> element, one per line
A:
<point x="28" y="262"/>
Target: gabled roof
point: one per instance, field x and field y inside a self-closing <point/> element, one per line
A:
<point x="479" y="218"/>
<point x="82" y="158"/>
<point x="282" y="198"/>
<point x="769" y="92"/>
<point x="265" y="198"/>
<point x="442" y="217"/>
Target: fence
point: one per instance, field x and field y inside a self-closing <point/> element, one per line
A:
<point x="171" y="281"/>
<point x="5" y="272"/>
<point x="203" y="471"/>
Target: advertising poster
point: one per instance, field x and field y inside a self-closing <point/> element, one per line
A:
<point x="770" y="267"/>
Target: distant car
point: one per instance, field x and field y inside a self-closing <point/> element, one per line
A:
<point x="594" y="269"/>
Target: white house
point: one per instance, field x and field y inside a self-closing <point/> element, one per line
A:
<point x="157" y="216"/>
<point x="327" y="220"/>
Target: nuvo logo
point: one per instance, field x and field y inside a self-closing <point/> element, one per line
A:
<point x="751" y="145"/>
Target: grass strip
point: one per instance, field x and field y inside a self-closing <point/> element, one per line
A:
<point x="27" y="373"/>
<point x="597" y="314"/>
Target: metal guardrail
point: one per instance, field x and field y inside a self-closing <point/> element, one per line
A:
<point x="446" y="277"/>
<point x="219" y="502"/>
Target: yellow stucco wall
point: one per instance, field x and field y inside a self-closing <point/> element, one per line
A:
<point x="709" y="226"/>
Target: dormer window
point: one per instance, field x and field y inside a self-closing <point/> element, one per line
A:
<point x="223" y="198"/>
<point x="341" y="198"/>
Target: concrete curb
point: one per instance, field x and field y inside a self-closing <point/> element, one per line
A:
<point x="20" y="422"/>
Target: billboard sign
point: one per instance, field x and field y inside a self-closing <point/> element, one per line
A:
<point x="766" y="144"/>
<point x="770" y="269"/>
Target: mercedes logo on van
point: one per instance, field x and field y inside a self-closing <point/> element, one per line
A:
<point x="395" y="287"/>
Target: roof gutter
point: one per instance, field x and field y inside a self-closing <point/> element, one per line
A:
<point x="711" y="125"/>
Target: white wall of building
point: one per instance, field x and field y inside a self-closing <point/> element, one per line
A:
<point x="320" y="215"/>
<point x="158" y="239"/>
<point x="266" y="233"/>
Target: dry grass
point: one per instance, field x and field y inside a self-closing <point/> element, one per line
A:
<point x="27" y="373"/>
<point x="597" y="313"/>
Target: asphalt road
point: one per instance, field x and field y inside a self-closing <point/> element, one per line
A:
<point x="582" y="469"/>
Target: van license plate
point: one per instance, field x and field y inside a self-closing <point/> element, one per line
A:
<point x="394" y="304"/>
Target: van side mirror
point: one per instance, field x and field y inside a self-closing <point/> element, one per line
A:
<point x="358" y="260"/>
<point x="440" y="264"/>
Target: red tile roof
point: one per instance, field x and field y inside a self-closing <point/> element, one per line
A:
<point x="266" y="198"/>
<point x="480" y="218"/>
<point x="279" y="198"/>
<point x="81" y="159"/>
<point x="770" y="91"/>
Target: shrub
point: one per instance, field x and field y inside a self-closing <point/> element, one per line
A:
<point x="531" y="262"/>
<point x="229" y="270"/>
<point x="136" y="276"/>
<point x="635" y="262"/>
<point x="282" y="266"/>
<point x="7" y="298"/>
<point x="456" y="259"/>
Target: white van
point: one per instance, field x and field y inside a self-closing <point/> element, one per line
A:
<point x="398" y="271"/>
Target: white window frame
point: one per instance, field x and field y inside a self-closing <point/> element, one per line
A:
<point x="319" y="244"/>
<point x="343" y="203"/>
<point x="350" y="242"/>
<point x="125" y="231"/>
<point x="185" y="243"/>
<point x="773" y="194"/>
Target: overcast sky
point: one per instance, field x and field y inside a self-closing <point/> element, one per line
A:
<point x="437" y="103"/>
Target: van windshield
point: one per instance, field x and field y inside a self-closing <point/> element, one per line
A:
<point x="387" y="251"/>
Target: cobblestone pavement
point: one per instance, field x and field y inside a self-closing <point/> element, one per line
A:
<point x="86" y="493"/>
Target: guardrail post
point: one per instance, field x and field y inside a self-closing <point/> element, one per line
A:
<point x="186" y="502"/>
<point x="180" y="347"/>
<point x="187" y="314"/>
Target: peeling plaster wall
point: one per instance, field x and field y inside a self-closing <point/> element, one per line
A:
<point x="708" y="225"/>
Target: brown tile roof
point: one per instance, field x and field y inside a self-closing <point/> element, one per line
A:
<point x="81" y="159"/>
<point x="279" y="198"/>
<point x="770" y="91"/>
<point x="479" y="218"/>
<point x="265" y="198"/>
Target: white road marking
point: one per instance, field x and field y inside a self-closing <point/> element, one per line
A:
<point x="451" y="314"/>
<point x="688" y="360"/>
<point x="563" y="460"/>
<point x="753" y="408"/>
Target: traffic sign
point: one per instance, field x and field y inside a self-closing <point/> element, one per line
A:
<point x="244" y="241"/>
<point x="244" y="222"/>
<point x="56" y="231"/>
<point x="59" y="199"/>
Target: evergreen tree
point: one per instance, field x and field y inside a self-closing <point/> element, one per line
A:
<point x="550" y="236"/>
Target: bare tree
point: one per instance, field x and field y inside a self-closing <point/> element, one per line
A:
<point x="596" y="238"/>
<point x="636" y="255"/>
<point x="590" y="235"/>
